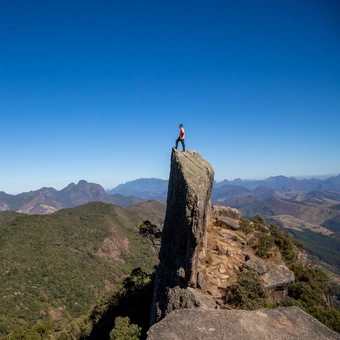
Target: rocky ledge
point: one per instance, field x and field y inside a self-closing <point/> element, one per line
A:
<point x="271" y="324"/>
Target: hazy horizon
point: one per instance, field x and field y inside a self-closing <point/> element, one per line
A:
<point x="322" y="177"/>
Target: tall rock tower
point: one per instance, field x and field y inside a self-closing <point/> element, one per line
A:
<point x="184" y="234"/>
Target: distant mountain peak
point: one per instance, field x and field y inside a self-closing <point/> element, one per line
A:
<point x="83" y="182"/>
<point x="71" y="185"/>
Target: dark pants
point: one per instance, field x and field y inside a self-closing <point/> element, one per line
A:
<point x="182" y="141"/>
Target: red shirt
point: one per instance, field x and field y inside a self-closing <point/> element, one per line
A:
<point x="182" y="133"/>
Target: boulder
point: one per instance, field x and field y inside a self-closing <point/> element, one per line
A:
<point x="220" y="210"/>
<point x="256" y="264"/>
<point x="227" y="222"/>
<point x="219" y="324"/>
<point x="278" y="278"/>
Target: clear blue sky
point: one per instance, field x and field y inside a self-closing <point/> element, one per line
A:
<point x="95" y="90"/>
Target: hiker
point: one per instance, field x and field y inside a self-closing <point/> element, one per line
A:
<point x="181" y="137"/>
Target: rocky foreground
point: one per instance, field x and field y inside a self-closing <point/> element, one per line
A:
<point x="289" y="323"/>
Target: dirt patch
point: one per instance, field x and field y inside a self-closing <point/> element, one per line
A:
<point x="56" y="312"/>
<point x="113" y="247"/>
<point x="109" y="285"/>
<point x="291" y="222"/>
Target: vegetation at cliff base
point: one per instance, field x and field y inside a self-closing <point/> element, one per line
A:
<point x="124" y="331"/>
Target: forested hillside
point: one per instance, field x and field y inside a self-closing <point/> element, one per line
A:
<point x="60" y="264"/>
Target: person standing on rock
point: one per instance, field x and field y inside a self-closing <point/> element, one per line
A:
<point x="181" y="137"/>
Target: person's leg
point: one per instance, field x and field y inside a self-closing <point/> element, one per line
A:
<point x="183" y="144"/>
<point x="177" y="140"/>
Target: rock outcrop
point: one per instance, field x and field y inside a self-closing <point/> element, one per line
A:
<point x="184" y="234"/>
<point x="278" y="278"/>
<point x="281" y="323"/>
<point x="219" y="210"/>
<point x="203" y="251"/>
<point x="227" y="222"/>
<point x="256" y="264"/>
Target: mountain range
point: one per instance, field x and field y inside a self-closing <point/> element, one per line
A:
<point x="309" y="209"/>
<point x="49" y="200"/>
<point x="316" y="200"/>
<point x="146" y="188"/>
<point x="149" y="188"/>
<point x="313" y="200"/>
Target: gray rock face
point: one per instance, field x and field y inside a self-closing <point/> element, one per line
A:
<point x="220" y="210"/>
<point x="187" y="298"/>
<point x="228" y="222"/>
<point x="278" y="278"/>
<point x="256" y="264"/>
<point x="201" y="283"/>
<point x="271" y="324"/>
<point x="227" y="235"/>
<point x="185" y="227"/>
<point x="171" y="293"/>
